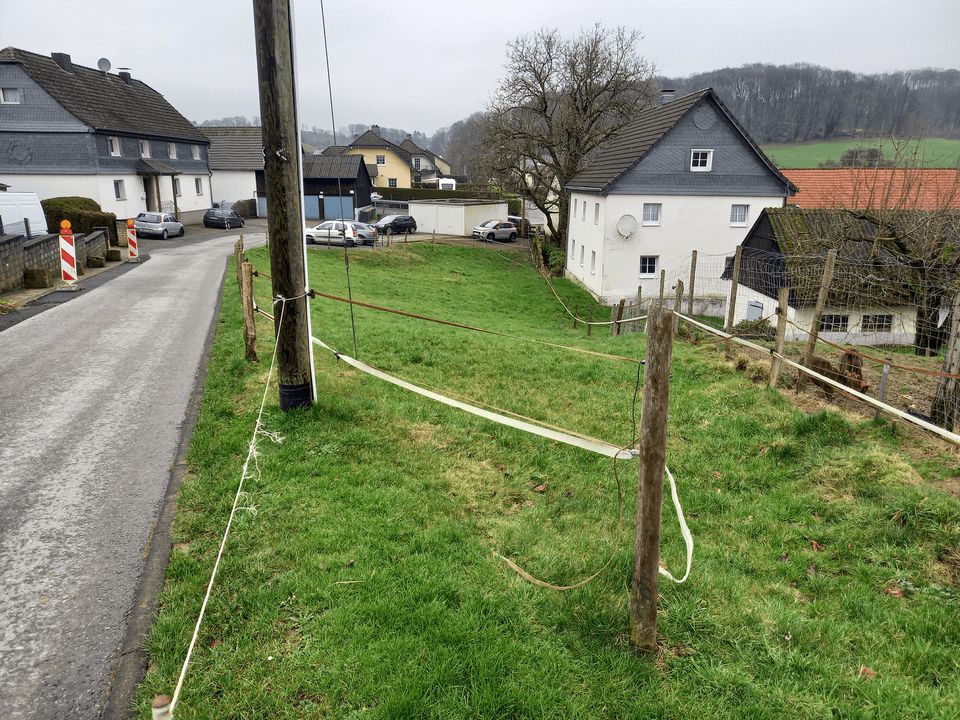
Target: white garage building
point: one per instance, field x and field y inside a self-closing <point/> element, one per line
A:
<point x="455" y="216"/>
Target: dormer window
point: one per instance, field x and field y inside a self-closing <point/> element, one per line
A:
<point x="9" y="96"/>
<point x="172" y="151"/>
<point x="144" y="148"/>
<point x="701" y="160"/>
<point x="195" y="152"/>
<point x="113" y="146"/>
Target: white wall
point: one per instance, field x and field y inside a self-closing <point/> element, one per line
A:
<point x="48" y="186"/>
<point x="473" y="215"/>
<point x="233" y="185"/>
<point x="687" y="223"/>
<point x="454" y="219"/>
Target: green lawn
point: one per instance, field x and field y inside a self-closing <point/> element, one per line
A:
<point x="930" y="152"/>
<point x="364" y="584"/>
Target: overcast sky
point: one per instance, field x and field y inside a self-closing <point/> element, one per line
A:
<point x="423" y="64"/>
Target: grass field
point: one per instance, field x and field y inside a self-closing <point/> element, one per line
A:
<point x="930" y="152"/>
<point x="364" y="585"/>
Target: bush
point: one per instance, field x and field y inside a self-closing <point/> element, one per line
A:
<point x="513" y="206"/>
<point x="755" y="329"/>
<point x="555" y="258"/>
<point x="84" y="215"/>
<point x="246" y="208"/>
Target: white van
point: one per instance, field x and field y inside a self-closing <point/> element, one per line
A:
<point x="14" y="207"/>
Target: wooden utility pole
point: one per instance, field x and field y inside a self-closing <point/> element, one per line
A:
<point x="818" y="314"/>
<point x="249" y="324"/>
<point x="783" y="299"/>
<point x="653" y="453"/>
<point x="273" y="28"/>
<point x="693" y="279"/>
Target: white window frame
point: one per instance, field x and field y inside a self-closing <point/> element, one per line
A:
<point x="576" y="207"/>
<point x="593" y="262"/>
<point x="573" y="248"/>
<point x="391" y="182"/>
<point x="144" y="146"/>
<point x="15" y="97"/>
<point x="176" y="187"/>
<point x="113" y="146"/>
<point x="381" y="159"/>
<point x="198" y="185"/>
<point x="416" y="163"/>
<point x="869" y="324"/>
<point x="701" y="168"/>
<point x="596" y="213"/>
<point x="582" y="248"/>
<point x="119" y="190"/>
<point x="838" y="322"/>
<point x="195" y="152"/>
<point x="583" y="211"/>
<point x="656" y="266"/>
<point x="172" y="151"/>
<point x="653" y="222"/>
<point x="734" y="219"/>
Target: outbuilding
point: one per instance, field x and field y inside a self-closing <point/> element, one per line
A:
<point x="455" y="216"/>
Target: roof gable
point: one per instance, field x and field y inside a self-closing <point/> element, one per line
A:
<point x="235" y="148"/>
<point x="372" y="140"/>
<point x="635" y="141"/>
<point x="105" y="101"/>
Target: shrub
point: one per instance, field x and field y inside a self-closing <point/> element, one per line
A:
<point x="555" y="258"/>
<point x="246" y="208"/>
<point x="756" y="329"/>
<point x="513" y="206"/>
<point x="83" y="213"/>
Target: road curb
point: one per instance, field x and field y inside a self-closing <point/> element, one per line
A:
<point x="131" y="665"/>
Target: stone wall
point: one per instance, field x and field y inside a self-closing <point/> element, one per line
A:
<point x="11" y="262"/>
<point x="43" y="252"/>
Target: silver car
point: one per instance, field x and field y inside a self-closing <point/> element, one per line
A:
<point x="158" y="224"/>
<point x="499" y="230"/>
<point x="336" y="232"/>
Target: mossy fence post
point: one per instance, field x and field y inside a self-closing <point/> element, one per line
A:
<point x="249" y="324"/>
<point x="653" y="453"/>
<point x="825" y="281"/>
<point x="783" y="298"/>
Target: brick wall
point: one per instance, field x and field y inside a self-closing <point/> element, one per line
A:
<point x="94" y="243"/>
<point x="11" y="262"/>
<point x="42" y="251"/>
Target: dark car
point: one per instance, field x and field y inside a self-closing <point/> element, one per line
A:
<point x="396" y="224"/>
<point x="521" y="224"/>
<point x="220" y="218"/>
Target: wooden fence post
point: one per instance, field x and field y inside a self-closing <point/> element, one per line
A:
<point x="882" y="390"/>
<point x="944" y="410"/>
<point x="818" y="313"/>
<point x="663" y="282"/>
<point x="249" y="324"/>
<point x="653" y="451"/>
<point x="589" y="320"/>
<point x="677" y="303"/>
<point x="732" y="302"/>
<point x="783" y="300"/>
<point x="693" y="279"/>
<point x="618" y="312"/>
<point x="238" y="255"/>
<point x="638" y="325"/>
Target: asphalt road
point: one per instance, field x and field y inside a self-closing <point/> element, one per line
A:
<point x="93" y="394"/>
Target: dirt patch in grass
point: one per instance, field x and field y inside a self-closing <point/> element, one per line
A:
<point x="950" y="485"/>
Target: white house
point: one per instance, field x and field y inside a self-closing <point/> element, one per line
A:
<point x="683" y="176"/>
<point x="236" y="154"/>
<point x="66" y="129"/>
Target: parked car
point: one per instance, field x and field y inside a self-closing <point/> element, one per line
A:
<point x="367" y="232"/>
<point x="521" y="224"/>
<point x="395" y="224"/>
<point x="158" y="224"/>
<point x="338" y="232"/>
<point x="222" y="218"/>
<point x="495" y="230"/>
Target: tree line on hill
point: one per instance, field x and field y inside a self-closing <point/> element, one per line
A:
<point x="799" y="103"/>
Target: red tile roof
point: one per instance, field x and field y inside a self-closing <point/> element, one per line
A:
<point x="858" y="188"/>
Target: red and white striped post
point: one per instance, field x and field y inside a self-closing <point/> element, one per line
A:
<point x="133" y="250"/>
<point x="68" y="254"/>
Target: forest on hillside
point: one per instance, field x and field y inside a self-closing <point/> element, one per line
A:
<point x="800" y="103"/>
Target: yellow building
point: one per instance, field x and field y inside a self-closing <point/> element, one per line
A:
<point x="391" y="165"/>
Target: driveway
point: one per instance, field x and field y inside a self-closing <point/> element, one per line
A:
<point x="93" y="394"/>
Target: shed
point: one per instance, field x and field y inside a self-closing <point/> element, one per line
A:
<point x="455" y="216"/>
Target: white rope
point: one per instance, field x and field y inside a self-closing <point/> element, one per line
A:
<point x="251" y="455"/>
<point x="684" y="530"/>
<point x="945" y="434"/>
<point x="595" y="446"/>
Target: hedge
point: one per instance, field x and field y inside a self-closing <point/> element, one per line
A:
<point x="83" y="213"/>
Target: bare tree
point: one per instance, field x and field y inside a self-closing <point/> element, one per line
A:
<point x="560" y="100"/>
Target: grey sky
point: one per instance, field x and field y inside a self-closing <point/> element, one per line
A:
<point x="423" y="64"/>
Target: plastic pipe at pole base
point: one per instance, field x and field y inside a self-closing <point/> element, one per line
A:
<point x="295" y="396"/>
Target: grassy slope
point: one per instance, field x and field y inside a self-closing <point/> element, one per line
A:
<point x="408" y="498"/>
<point x="931" y="152"/>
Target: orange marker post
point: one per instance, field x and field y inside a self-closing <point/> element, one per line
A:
<point x="133" y="250"/>
<point x="68" y="254"/>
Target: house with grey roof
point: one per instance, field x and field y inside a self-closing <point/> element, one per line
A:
<point x="66" y="129"/>
<point x="236" y="154"/>
<point x="394" y="166"/>
<point x="683" y="176"/>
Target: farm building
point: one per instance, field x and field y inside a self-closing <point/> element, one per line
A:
<point x="881" y="292"/>
<point x="455" y="216"/>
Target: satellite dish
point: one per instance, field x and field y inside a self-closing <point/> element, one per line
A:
<point x="103" y="64"/>
<point x="626" y="225"/>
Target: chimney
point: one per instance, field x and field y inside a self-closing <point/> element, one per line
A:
<point x="125" y="76"/>
<point x="409" y="137"/>
<point x="375" y="129"/>
<point x="63" y="60"/>
<point x="666" y="95"/>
